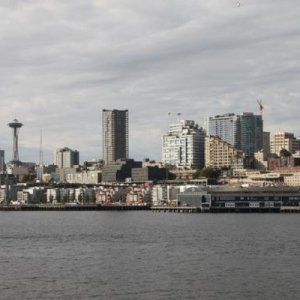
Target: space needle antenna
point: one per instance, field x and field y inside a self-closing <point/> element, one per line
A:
<point x="41" y="156"/>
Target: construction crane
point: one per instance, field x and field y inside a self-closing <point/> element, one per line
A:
<point x="172" y="113"/>
<point x="260" y="105"/>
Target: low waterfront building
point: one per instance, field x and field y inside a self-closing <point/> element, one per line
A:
<point x="2" y="196"/>
<point x="242" y="199"/>
<point x="104" y="195"/>
<point x="53" y="195"/>
<point x="194" y="196"/>
<point x="292" y="179"/>
<point x="31" y="195"/>
<point x="84" y="177"/>
<point x="85" y="195"/>
<point x="8" y="194"/>
<point x="162" y="194"/>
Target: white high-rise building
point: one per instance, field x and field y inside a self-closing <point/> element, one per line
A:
<point x="183" y="145"/>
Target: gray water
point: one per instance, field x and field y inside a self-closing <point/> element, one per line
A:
<point x="145" y="255"/>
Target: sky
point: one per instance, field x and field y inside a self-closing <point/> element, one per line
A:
<point x="62" y="62"/>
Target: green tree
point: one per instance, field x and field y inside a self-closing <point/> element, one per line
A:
<point x="285" y="153"/>
<point x="209" y="173"/>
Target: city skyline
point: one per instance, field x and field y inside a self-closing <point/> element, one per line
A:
<point x="200" y="59"/>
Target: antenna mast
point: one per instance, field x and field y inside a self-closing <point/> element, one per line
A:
<point x="41" y="162"/>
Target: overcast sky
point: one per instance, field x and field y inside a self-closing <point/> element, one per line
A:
<point x="62" y="62"/>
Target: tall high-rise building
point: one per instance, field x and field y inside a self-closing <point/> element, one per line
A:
<point x="183" y="145"/>
<point x="2" y="161"/>
<point x="115" y="135"/>
<point x="224" y="127"/>
<point x="66" y="158"/>
<point x="250" y="134"/>
<point x="266" y="143"/>
<point x="244" y="132"/>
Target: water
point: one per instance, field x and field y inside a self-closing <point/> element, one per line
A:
<point x="145" y="255"/>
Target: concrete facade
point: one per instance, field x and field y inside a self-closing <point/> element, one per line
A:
<point x="219" y="153"/>
<point x="284" y="140"/>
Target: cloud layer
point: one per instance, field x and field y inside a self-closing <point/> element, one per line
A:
<point x="62" y="62"/>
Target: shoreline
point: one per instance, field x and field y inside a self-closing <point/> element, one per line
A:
<point x="157" y="209"/>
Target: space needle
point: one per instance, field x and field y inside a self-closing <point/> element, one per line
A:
<point x="15" y="125"/>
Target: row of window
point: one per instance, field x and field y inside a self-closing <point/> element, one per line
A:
<point x="257" y="198"/>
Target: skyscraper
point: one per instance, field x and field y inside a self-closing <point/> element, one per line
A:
<point x="244" y="132"/>
<point x="183" y="145"/>
<point x="2" y="161"/>
<point x="250" y="135"/>
<point x="115" y="135"/>
<point x="224" y="127"/>
<point x="266" y="143"/>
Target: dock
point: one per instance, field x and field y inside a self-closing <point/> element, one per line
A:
<point x="157" y="209"/>
<point x="68" y="207"/>
<point x="176" y="209"/>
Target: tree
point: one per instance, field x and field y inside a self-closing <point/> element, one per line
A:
<point x="285" y="153"/>
<point x="209" y="173"/>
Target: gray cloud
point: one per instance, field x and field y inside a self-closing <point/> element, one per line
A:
<point x="62" y="62"/>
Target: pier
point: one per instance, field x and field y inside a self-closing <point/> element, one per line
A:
<point x="157" y="209"/>
<point x="68" y="207"/>
<point x="176" y="209"/>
